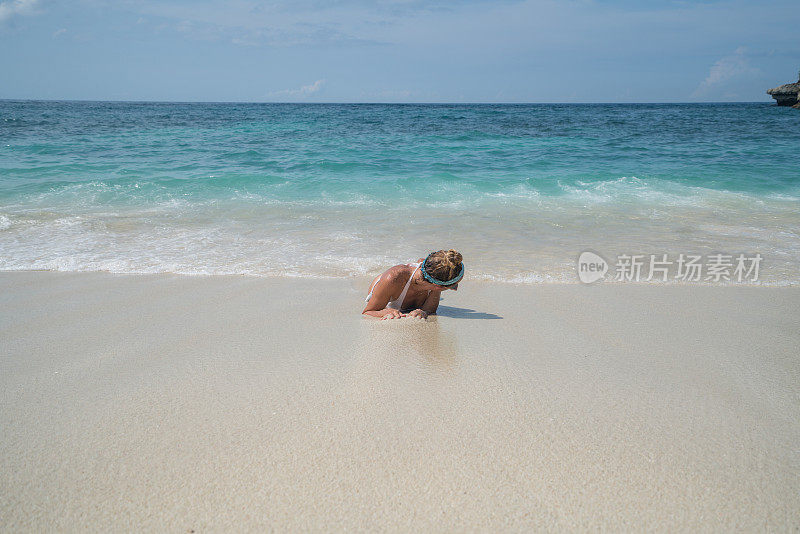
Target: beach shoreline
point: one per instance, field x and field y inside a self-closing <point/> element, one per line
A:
<point x="311" y="190"/>
<point x="167" y="402"/>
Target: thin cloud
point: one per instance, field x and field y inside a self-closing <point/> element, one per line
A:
<point x="300" y="92"/>
<point x="726" y="69"/>
<point x="13" y="8"/>
<point x="299" y="35"/>
<point x="247" y="24"/>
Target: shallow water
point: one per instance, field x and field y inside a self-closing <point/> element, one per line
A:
<point x="343" y="190"/>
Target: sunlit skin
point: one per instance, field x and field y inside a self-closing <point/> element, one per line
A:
<point x="422" y="298"/>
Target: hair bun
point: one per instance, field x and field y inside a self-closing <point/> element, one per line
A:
<point x="443" y="264"/>
<point x="453" y="257"/>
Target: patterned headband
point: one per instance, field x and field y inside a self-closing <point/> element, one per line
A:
<point x="433" y="280"/>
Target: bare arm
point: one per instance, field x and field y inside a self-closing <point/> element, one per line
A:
<point x="381" y="295"/>
<point x="428" y="307"/>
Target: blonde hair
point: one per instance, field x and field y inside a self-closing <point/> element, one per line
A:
<point x="444" y="264"/>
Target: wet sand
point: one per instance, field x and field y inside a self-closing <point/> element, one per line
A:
<point x="236" y="403"/>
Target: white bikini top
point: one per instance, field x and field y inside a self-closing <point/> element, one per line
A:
<point x="397" y="304"/>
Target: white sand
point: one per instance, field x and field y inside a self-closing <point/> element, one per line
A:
<point x="175" y="403"/>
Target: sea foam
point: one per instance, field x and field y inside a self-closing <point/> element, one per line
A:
<point x="346" y="191"/>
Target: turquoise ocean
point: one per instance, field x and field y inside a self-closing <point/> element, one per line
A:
<point x="326" y="190"/>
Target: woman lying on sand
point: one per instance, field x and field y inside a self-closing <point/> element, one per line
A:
<point x="414" y="289"/>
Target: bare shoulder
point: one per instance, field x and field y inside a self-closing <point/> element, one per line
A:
<point x="397" y="274"/>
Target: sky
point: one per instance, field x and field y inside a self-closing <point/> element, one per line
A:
<point x="398" y="50"/>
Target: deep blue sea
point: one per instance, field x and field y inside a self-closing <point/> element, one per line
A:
<point x="326" y="190"/>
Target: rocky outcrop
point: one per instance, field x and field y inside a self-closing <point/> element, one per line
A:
<point x="786" y="95"/>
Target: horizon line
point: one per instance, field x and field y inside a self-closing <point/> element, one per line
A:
<point x="276" y="102"/>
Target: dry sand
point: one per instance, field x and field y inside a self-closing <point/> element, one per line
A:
<point x="173" y="403"/>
